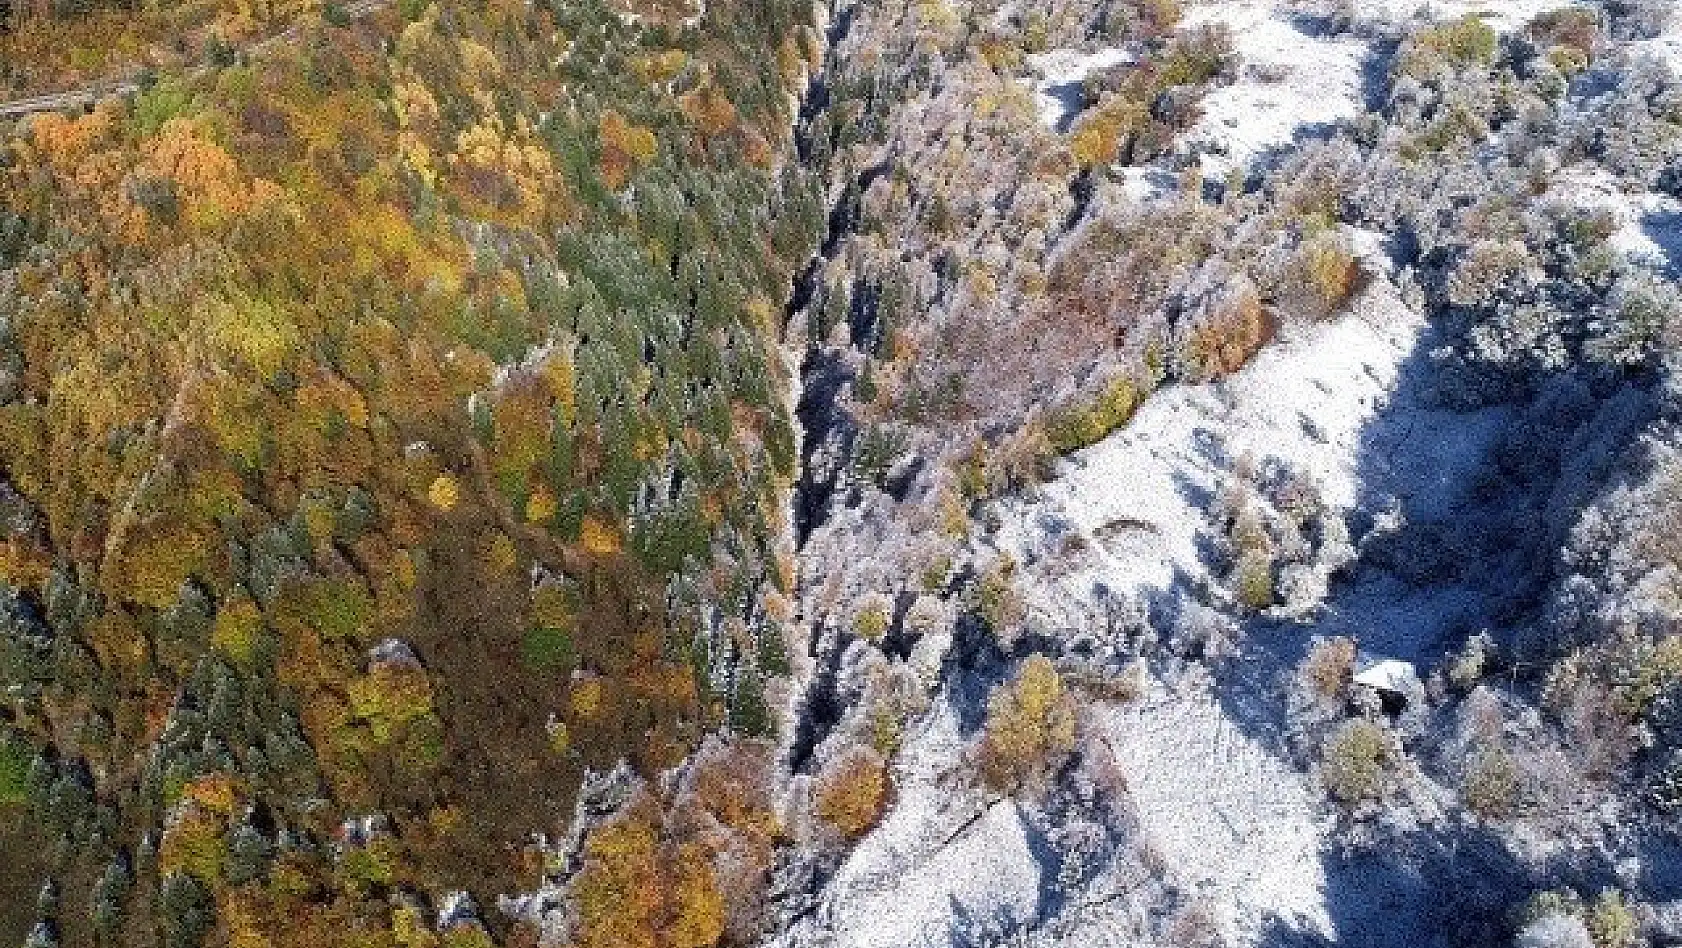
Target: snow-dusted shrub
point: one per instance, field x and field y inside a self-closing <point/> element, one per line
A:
<point x="997" y="601"/>
<point x="1219" y="330"/>
<point x="852" y="791"/>
<point x="1571" y="33"/>
<point x="1356" y="762"/>
<point x="1611" y="922"/>
<point x="1086" y="422"/>
<point x="1436" y="52"/>
<point x="1030" y="730"/>
<point x="1195" y="925"/>
<point x="1494" y="270"/>
<point x="871" y="618"/>
<point x="1328" y="667"/>
<point x="1467" y="666"/>
<point x="1252" y="579"/>
<point x="1330" y="273"/>
<point x="1642" y="312"/>
<point x="1491" y="783"/>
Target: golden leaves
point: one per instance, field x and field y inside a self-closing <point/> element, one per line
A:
<point x="625" y="147"/>
<point x="444" y="493"/>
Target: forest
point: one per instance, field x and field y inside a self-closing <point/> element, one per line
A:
<point x="340" y="370"/>
<point x="866" y="474"/>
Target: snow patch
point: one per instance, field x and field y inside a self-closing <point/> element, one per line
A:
<point x="1290" y="81"/>
<point x="941" y="854"/>
<point x="1230" y="819"/>
<point x="1057" y="91"/>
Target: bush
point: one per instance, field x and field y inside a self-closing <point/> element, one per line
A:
<point x="1253" y="579"/>
<point x="1030" y="730"/>
<point x="853" y="791"/>
<point x="1460" y="44"/>
<point x="546" y="648"/>
<point x="15" y="760"/>
<point x="1355" y="760"/>
<point x="871" y="621"/>
<point x="1330" y="272"/>
<point x="1611" y="923"/>
<point x="996" y="599"/>
<point x="1329" y="666"/>
<point x="1078" y="426"/>
<point x="1490" y="786"/>
<point x="1227" y="328"/>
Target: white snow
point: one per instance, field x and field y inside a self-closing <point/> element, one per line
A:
<point x="1139" y="496"/>
<point x="1288" y="81"/>
<point x="942" y="853"/>
<point x="1389" y="675"/>
<point x="1232" y="820"/>
<point x="1292" y="81"/>
<point x="1666" y="48"/>
<point x="1503" y="15"/>
<point x="1649" y="224"/>
<point x="1060" y="72"/>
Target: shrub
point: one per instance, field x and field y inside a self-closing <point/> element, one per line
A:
<point x="853" y="791"/>
<point x="444" y="492"/>
<point x="390" y="697"/>
<point x="1030" y="729"/>
<point x="996" y="600"/>
<point x="1572" y="31"/>
<point x="15" y="761"/>
<point x="546" y="648"/>
<point x="1226" y="331"/>
<point x="1490" y="786"/>
<point x="1253" y="579"/>
<point x="1354" y="761"/>
<point x="1330" y="272"/>
<point x="871" y="621"/>
<point x="1079" y="426"/>
<point x="1459" y="44"/>
<point x="1328" y="667"/>
<point x="1610" y="921"/>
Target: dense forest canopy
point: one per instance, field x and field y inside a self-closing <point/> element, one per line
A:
<point x="339" y="371"/>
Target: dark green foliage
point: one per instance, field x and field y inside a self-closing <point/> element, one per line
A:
<point x="15" y="765"/>
<point x="185" y="912"/>
<point x="548" y="649"/>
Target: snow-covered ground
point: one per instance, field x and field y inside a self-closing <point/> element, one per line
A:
<point x="1649" y="224"/>
<point x="944" y="857"/>
<point x="1059" y="75"/>
<point x="1232" y="820"/>
<point x="1294" y="80"/>
<point x="1667" y="48"/>
<point x="1289" y="81"/>
<point x="1140" y="498"/>
<point x="1503" y="15"/>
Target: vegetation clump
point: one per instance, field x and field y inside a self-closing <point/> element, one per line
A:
<point x="1030" y="730"/>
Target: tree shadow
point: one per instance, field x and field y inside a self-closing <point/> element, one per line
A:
<point x="1664" y="228"/>
<point x="1467" y="486"/>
